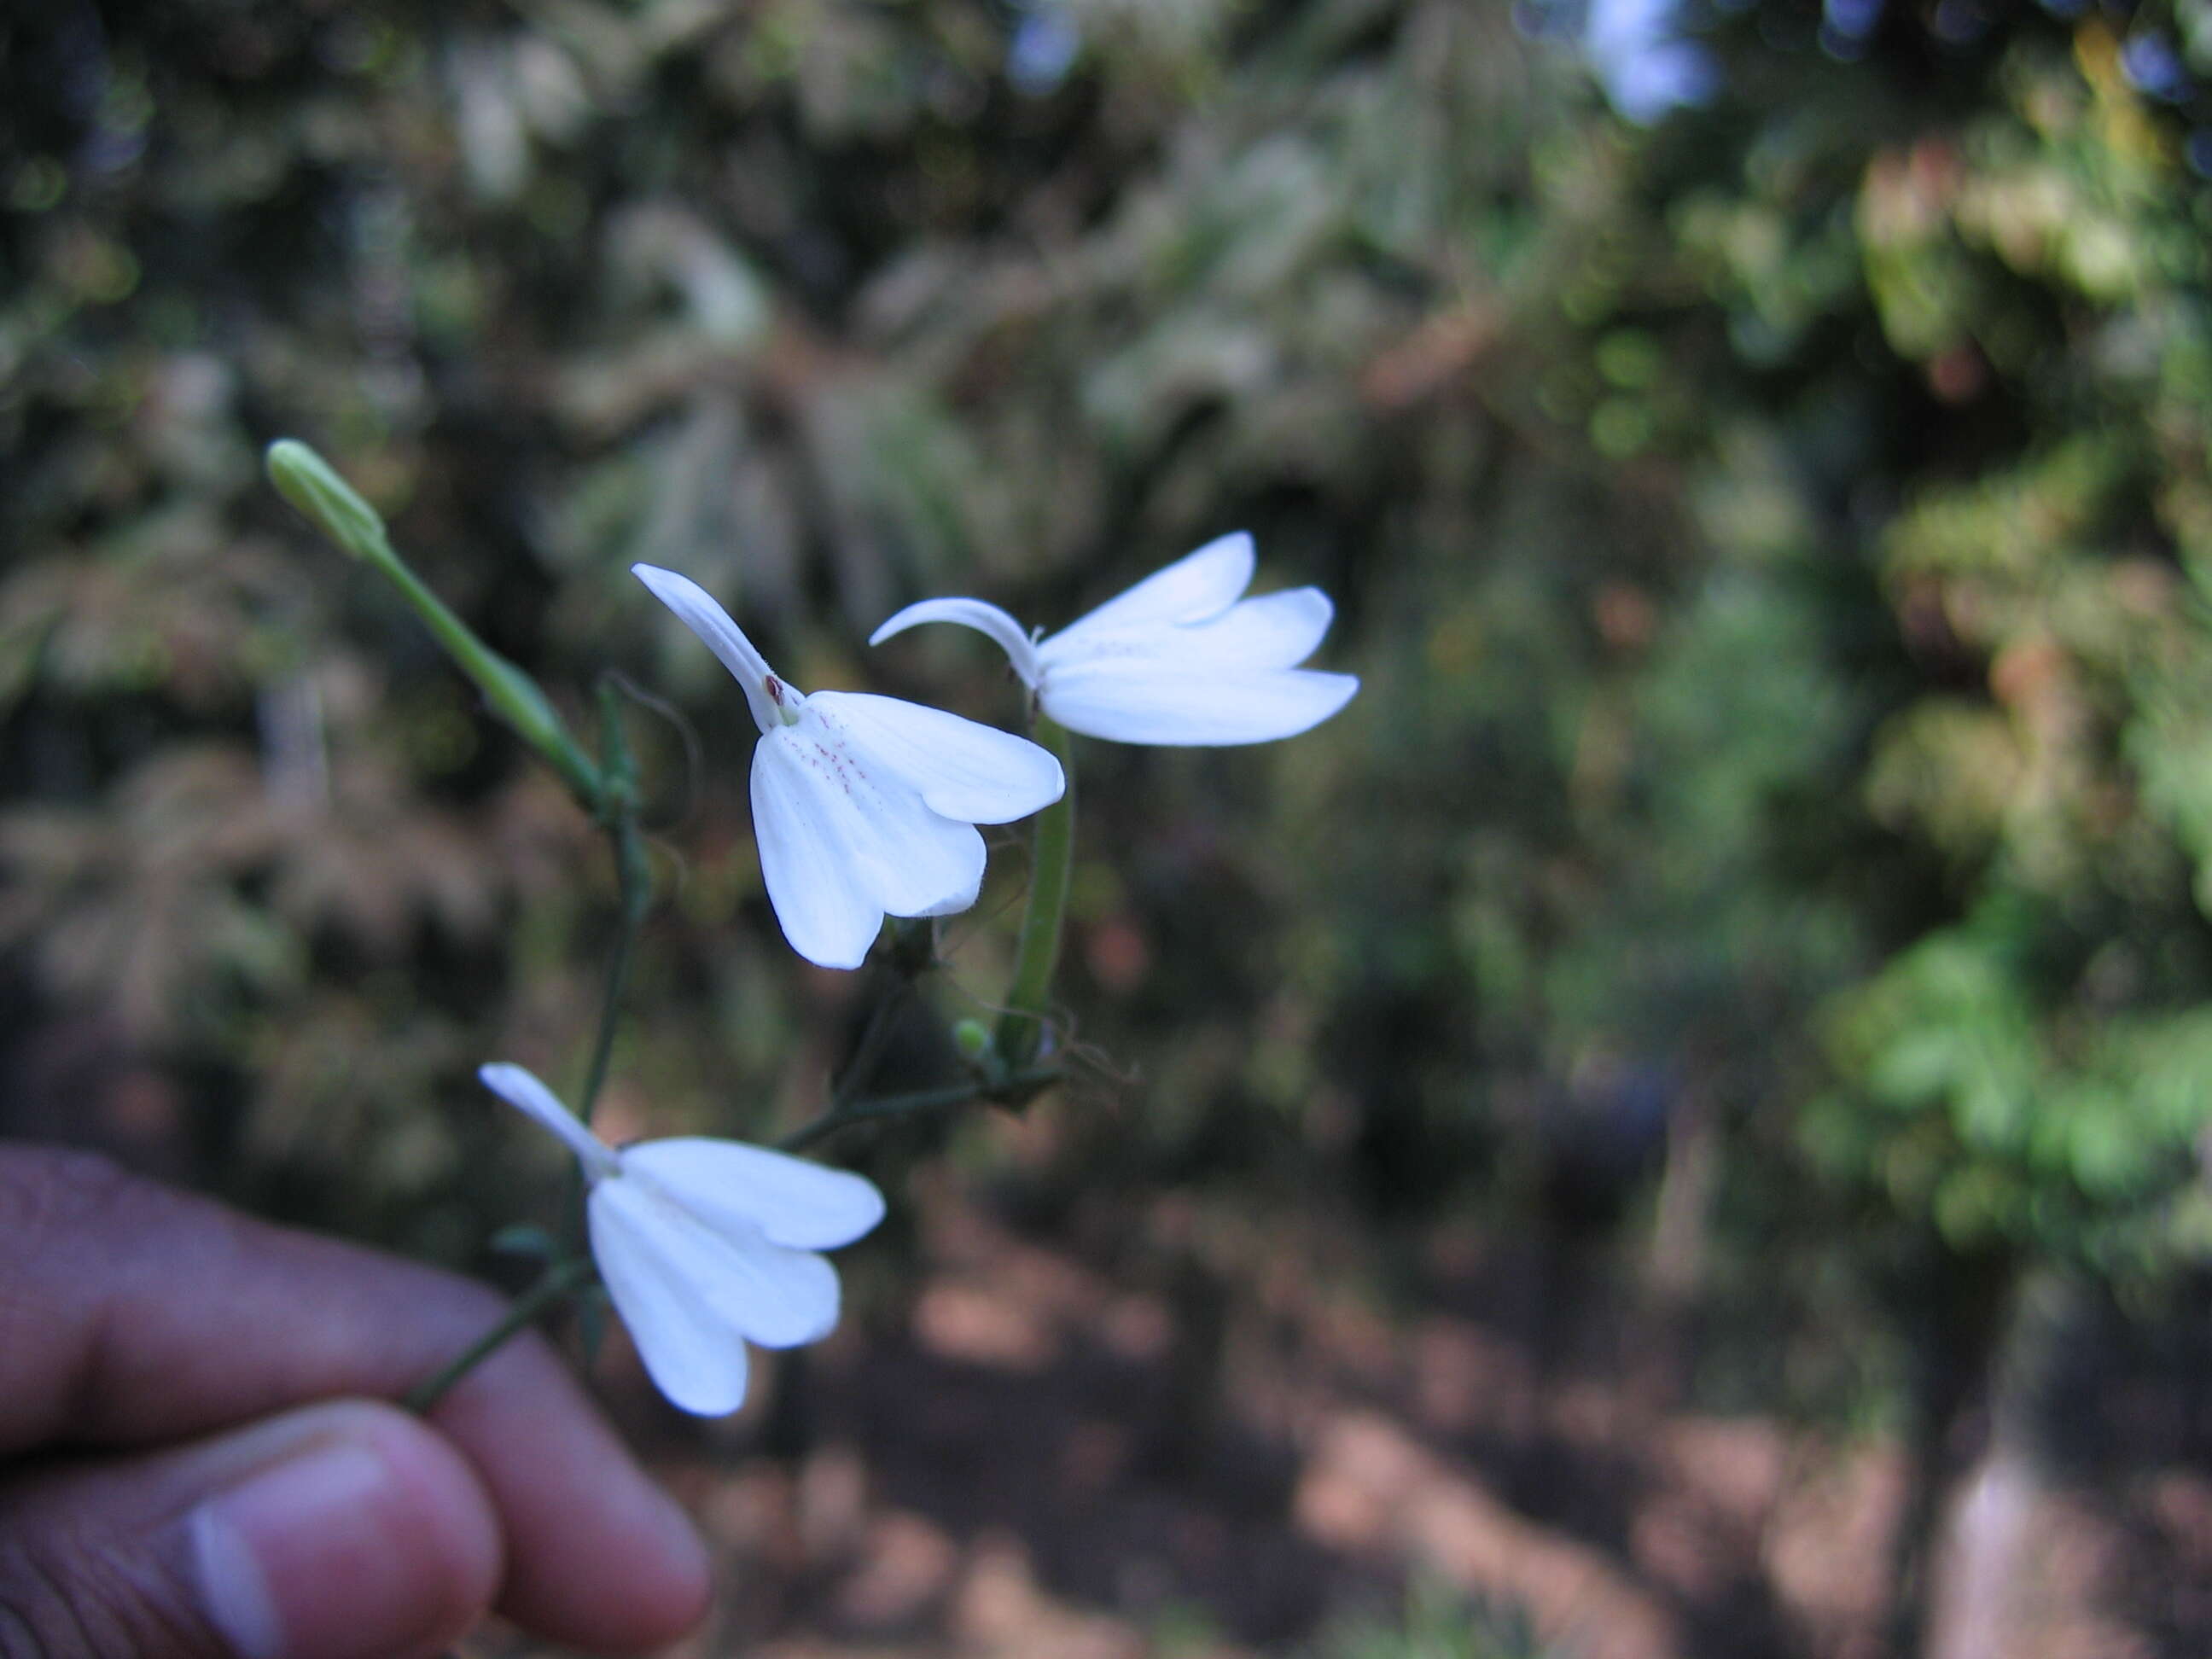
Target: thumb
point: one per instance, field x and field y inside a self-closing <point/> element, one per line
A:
<point x="348" y="1530"/>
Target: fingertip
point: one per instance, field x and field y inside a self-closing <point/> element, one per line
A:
<point x="666" y="1575"/>
<point x="628" y="1572"/>
<point x="598" y="1555"/>
<point x="455" y="1528"/>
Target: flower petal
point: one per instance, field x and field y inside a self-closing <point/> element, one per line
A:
<point x="1195" y="588"/>
<point x="794" y="1202"/>
<point x="908" y="858"/>
<point x="522" y="1090"/>
<point x="821" y="902"/>
<point x="697" y="608"/>
<point x="969" y="613"/>
<point x="972" y="772"/>
<point x="844" y="841"/>
<point x="1140" y="701"/>
<point x="725" y="1273"/>
<point x="695" y="1356"/>
<point x="1277" y="630"/>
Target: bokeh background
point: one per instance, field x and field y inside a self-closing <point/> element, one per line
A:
<point x="1670" y="1129"/>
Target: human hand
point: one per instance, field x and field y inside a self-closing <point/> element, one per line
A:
<point x="198" y="1456"/>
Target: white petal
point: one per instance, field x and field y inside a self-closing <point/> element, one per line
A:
<point x="844" y="841"/>
<point x="963" y="769"/>
<point x="728" y="1274"/>
<point x="1136" y="701"/>
<point x="908" y="858"/>
<point x="961" y="899"/>
<point x="1195" y="588"/>
<point x="695" y="607"/>
<point x="695" y="1356"/>
<point x="520" y="1089"/>
<point x="802" y="1204"/>
<point x="821" y="902"/>
<point x="1278" y="630"/>
<point x="969" y="613"/>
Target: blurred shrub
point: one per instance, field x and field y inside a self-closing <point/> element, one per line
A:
<point x="1774" y="540"/>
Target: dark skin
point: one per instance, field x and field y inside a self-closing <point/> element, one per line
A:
<point x="198" y="1456"/>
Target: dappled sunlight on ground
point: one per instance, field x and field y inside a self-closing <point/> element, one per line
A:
<point x="1032" y="1458"/>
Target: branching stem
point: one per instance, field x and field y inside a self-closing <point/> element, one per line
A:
<point x="561" y="1279"/>
<point x="1018" y="1086"/>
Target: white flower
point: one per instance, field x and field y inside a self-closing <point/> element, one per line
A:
<point x="706" y="1245"/>
<point x="1179" y="659"/>
<point x="863" y="806"/>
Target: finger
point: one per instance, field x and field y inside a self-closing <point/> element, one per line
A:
<point x="344" y="1531"/>
<point x="131" y="1314"/>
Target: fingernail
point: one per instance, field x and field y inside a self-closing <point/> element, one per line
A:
<point x="299" y="1551"/>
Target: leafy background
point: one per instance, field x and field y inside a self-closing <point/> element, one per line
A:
<point x="1705" y="1057"/>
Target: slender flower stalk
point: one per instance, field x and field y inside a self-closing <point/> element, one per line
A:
<point x="1182" y="659"/>
<point x="1021" y="1031"/>
<point x="705" y="1245"/>
<point x="334" y="507"/>
<point x="863" y="806"/>
<point x="1014" y="1088"/>
<point x="559" y="1282"/>
<point x="633" y="877"/>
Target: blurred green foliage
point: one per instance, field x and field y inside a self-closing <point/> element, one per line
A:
<point x="1436" y="1624"/>
<point x="1776" y="543"/>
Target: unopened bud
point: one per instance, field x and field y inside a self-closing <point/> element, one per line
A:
<point x="328" y="502"/>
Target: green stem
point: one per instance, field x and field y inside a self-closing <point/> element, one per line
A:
<point x="634" y="874"/>
<point x="312" y="485"/>
<point x="861" y="1063"/>
<point x="561" y="1279"/>
<point x="635" y="898"/>
<point x="1017" y="1087"/>
<point x="1021" y="1026"/>
<point x="513" y="696"/>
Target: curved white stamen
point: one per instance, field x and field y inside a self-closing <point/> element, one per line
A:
<point x="698" y="612"/>
<point x="1020" y="648"/>
<point x="522" y="1090"/>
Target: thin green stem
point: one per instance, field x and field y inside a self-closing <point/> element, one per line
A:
<point x="334" y="507"/>
<point x="868" y="1049"/>
<point x="513" y="696"/>
<point x="617" y="980"/>
<point x="561" y="1279"/>
<point x="634" y="877"/>
<point x="1029" y="997"/>
<point x="1018" y="1086"/>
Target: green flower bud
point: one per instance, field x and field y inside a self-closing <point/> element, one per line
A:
<point x="326" y="500"/>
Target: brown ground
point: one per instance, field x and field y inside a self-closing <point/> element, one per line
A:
<point x="1036" y="1457"/>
